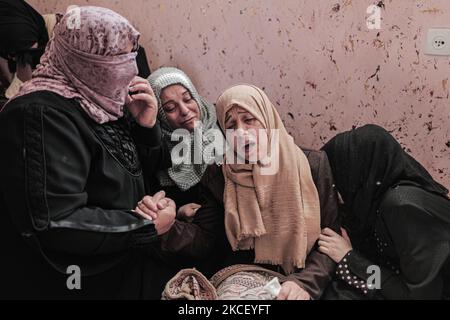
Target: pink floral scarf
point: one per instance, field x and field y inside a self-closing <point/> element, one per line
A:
<point x="89" y="59"/>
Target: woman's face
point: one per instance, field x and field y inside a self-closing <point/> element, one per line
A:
<point x="182" y="111"/>
<point x="250" y="137"/>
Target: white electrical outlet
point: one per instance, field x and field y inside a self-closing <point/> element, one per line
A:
<point x="438" y="42"/>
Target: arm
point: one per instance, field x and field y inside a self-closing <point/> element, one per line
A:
<point x="314" y="278"/>
<point x="143" y="108"/>
<point x="197" y="238"/>
<point x="422" y="251"/>
<point x="43" y="176"/>
<point x="153" y="151"/>
<point x="421" y="241"/>
<point x="358" y="275"/>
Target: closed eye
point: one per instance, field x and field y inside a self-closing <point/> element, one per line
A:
<point x="169" y="107"/>
<point x="187" y="96"/>
<point x="230" y="125"/>
<point x="249" y="120"/>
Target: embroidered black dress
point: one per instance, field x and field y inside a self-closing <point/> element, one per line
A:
<point x="67" y="188"/>
<point x="397" y="217"/>
<point x="410" y="245"/>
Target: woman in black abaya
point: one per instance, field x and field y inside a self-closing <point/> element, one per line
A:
<point x="397" y="218"/>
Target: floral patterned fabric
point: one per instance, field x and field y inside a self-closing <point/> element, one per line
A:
<point x="245" y="286"/>
<point x="244" y="282"/>
<point x="89" y="59"/>
<point x="237" y="282"/>
<point x="189" y="284"/>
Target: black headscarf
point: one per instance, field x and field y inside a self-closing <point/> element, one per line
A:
<point x="20" y="27"/>
<point x="366" y="162"/>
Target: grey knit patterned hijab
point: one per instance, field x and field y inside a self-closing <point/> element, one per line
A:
<point x="184" y="176"/>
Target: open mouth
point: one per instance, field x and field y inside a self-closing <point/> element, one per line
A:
<point x="249" y="146"/>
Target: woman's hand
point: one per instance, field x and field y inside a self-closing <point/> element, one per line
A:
<point x="166" y="216"/>
<point x="149" y="206"/>
<point x="292" y="291"/>
<point x="159" y="209"/>
<point x="187" y="212"/>
<point x="334" y="245"/>
<point x="143" y="104"/>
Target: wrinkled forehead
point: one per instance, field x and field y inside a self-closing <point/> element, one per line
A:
<point x="97" y="30"/>
<point x="173" y="91"/>
<point x="167" y="77"/>
<point x="237" y="110"/>
<point x="241" y="95"/>
<point x="242" y="98"/>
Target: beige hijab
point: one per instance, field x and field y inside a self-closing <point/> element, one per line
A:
<point x="276" y="215"/>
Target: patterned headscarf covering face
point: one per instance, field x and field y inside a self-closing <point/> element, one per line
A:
<point x="89" y="59"/>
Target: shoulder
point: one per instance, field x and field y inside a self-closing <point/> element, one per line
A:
<point x="318" y="161"/>
<point x="411" y="203"/>
<point x="40" y="102"/>
<point x="410" y="196"/>
<point x="314" y="156"/>
<point x="42" y="98"/>
<point x="213" y="176"/>
<point x="415" y="217"/>
<point x="213" y="181"/>
<point x="403" y="197"/>
<point x="39" y="112"/>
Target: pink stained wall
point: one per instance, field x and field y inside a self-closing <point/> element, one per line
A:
<point x="316" y="59"/>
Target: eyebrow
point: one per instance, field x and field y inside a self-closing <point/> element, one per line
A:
<point x="239" y="112"/>
<point x="167" y="102"/>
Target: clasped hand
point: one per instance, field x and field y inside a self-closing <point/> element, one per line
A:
<point x="161" y="210"/>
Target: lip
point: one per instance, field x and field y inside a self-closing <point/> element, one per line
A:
<point x="248" y="146"/>
<point x="188" y="120"/>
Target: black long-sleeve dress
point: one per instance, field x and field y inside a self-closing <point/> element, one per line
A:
<point x="397" y="217"/>
<point x="410" y="245"/>
<point x="205" y="237"/>
<point x="67" y="188"/>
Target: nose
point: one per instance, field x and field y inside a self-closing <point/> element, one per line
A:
<point x="242" y="135"/>
<point x="241" y="127"/>
<point x="184" y="110"/>
<point x="244" y="130"/>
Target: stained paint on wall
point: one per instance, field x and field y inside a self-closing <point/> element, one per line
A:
<point x="317" y="60"/>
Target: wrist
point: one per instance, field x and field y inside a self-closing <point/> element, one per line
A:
<point x="148" y="125"/>
<point x="345" y="257"/>
<point x="151" y="137"/>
